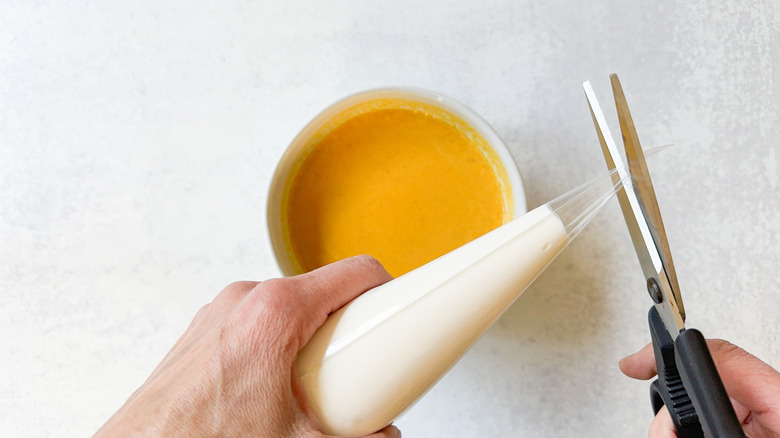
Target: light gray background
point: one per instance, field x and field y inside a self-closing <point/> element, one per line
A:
<point x="137" y="140"/>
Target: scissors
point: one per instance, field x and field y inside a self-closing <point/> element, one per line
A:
<point x="688" y="382"/>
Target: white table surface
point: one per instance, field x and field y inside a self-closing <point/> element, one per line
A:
<point x="137" y="140"/>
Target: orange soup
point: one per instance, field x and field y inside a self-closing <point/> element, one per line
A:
<point x="405" y="184"/>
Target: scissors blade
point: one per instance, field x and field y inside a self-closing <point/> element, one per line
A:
<point x="611" y="155"/>
<point x="645" y="247"/>
<point x="643" y="187"/>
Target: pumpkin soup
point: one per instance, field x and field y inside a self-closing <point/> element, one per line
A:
<point x="404" y="183"/>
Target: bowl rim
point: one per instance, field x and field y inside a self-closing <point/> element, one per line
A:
<point x="293" y="149"/>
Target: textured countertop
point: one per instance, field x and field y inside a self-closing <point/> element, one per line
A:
<point x="137" y="140"/>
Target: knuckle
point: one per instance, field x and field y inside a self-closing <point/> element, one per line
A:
<point x="234" y="292"/>
<point x="271" y="299"/>
<point x="266" y="316"/>
<point x="239" y="287"/>
<point x="202" y="312"/>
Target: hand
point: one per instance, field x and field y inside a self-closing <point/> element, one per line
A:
<point x="232" y="373"/>
<point x="752" y="385"/>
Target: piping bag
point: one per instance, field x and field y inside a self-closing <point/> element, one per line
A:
<point x="377" y="355"/>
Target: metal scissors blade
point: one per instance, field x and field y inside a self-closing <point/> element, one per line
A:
<point x="643" y="187"/>
<point x="640" y="209"/>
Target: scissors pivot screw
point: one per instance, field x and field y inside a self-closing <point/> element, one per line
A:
<point x="654" y="290"/>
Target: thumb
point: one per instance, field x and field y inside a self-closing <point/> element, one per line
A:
<point x="662" y="425"/>
<point x="640" y="365"/>
<point x="318" y="293"/>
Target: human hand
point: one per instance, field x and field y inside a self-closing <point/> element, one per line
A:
<point x="232" y="373"/>
<point x="752" y="385"/>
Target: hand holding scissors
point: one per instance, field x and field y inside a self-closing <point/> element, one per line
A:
<point x="688" y="383"/>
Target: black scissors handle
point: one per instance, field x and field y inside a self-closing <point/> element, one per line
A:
<point x="689" y="384"/>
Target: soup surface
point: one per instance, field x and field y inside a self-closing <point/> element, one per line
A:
<point x="399" y="184"/>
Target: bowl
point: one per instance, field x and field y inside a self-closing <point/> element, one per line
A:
<point x="293" y="218"/>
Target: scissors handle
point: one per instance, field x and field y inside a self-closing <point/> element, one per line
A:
<point x="689" y="384"/>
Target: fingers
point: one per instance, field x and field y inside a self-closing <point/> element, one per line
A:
<point x="640" y="365"/>
<point x="747" y="379"/>
<point x="662" y="426"/>
<point x="388" y="432"/>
